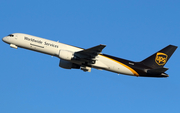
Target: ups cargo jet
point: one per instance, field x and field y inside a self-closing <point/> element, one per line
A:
<point x="72" y="57"/>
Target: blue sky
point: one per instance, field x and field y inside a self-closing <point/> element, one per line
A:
<point x="32" y="82"/>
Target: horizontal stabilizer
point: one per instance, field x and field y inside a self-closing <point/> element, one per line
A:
<point x="157" y="70"/>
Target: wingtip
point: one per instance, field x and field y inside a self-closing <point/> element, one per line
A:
<point x="102" y="44"/>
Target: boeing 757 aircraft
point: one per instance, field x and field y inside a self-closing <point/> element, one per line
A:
<point x="72" y="57"/>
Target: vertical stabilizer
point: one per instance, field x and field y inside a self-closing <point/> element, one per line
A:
<point x="160" y="58"/>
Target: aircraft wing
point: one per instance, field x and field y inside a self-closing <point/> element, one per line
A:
<point x="89" y="54"/>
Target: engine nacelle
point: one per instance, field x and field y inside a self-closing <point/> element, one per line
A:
<point x="66" y="55"/>
<point x="68" y="65"/>
<point x="13" y="46"/>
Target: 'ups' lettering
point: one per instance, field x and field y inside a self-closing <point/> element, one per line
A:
<point x="161" y="58"/>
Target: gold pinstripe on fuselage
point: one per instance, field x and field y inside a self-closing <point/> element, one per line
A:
<point x="131" y="69"/>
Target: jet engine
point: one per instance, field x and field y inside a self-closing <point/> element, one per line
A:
<point x="66" y="55"/>
<point x="68" y="65"/>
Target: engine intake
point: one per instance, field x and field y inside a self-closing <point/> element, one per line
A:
<point x="66" y="55"/>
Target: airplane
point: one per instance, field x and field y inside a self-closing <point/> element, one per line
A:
<point x="72" y="57"/>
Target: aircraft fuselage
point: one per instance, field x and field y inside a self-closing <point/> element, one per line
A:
<point x="71" y="56"/>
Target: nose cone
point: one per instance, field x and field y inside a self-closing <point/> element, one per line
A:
<point x="4" y="39"/>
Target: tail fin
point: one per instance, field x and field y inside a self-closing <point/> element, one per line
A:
<point x="159" y="59"/>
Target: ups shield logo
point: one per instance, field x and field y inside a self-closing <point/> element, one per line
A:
<point x="161" y="58"/>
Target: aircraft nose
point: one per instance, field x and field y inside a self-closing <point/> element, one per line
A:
<point x="4" y="39"/>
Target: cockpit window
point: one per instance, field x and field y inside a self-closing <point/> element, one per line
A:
<point x="11" y="35"/>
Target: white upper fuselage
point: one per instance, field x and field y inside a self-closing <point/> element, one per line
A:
<point x="53" y="48"/>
